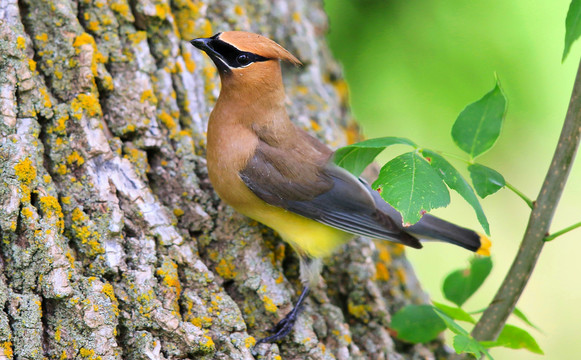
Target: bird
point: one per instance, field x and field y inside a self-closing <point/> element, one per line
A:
<point x="267" y="168"/>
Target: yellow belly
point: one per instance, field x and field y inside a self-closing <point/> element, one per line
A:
<point x="227" y="155"/>
<point x="305" y="235"/>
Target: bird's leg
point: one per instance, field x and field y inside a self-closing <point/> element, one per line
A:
<point x="284" y="327"/>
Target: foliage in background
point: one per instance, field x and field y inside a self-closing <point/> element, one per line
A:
<point x="414" y="183"/>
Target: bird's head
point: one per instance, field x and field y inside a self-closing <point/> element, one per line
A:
<point x="244" y="55"/>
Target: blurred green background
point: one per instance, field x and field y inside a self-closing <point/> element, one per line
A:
<point x="412" y="66"/>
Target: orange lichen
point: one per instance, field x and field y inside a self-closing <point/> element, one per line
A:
<point x="226" y="270"/>
<point x="148" y="95"/>
<point x="209" y="73"/>
<point x="21" y="42"/>
<point x="121" y="8"/>
<point x="46" y="98"/>
<point x="168" y="121"/>
<point x="32" y="65"/>
<point x="25" y="171"/>
<point x="93" y="26"/>
<point x="357" y="310"/>
<point x="169" y="275"/>
<point x="207" y="28"/>
<point x="51" y="207"/>
<point x="86" y="39"/>
<point x="71" y="259"/>
<point x="249" y="342"/>
<point x="190" y="64"/>
<point x="79" y="216"/>
<point x="238" y="10"/>
<point x="315" y="126"/>
<point x="88" y="353"/>
<point x="75" y="157"/>
<point x="24" y="193"/>
<point x="83" y="39"/>
<point x="27" y="213"/>
<point x="57" y="334"/>
<point x="42" y="37"/>
<point x="401" y="275"/>
<point x="60" y="125"/>
<point x="178" y="212"/>
<point x="161" y="11"/>
<point x="269" y="305"/>
<point x="61" y="169"/>
<point x="86" y="103"/>
<point x="209" y="344"/>
<point x="6" y="348"/>
<point x="381" y="272"/>
<point x="137" y="37"/>
<point x="186" y="18"/>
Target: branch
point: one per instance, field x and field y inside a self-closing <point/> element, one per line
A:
<point x="561" y="232"/>
<point x="494" y="318"/>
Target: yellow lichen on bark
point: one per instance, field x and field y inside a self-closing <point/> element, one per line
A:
<point x="25" y="171"/>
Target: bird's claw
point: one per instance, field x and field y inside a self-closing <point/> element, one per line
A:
<point x="281" y="329"/>
<point x="284" y="327"/>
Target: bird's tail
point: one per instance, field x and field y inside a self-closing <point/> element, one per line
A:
<point x="433" y="228"/>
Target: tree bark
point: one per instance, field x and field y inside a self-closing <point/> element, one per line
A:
<point x="113" y="244"/>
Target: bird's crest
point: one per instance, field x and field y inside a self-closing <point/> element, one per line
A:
<point x="258" y="44"/>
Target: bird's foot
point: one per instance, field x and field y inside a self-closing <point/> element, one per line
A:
<point x="284" y="327"/>
<point x="281" y="329"/>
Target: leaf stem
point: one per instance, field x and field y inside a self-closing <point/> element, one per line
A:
<point x="508" y="185"/>
<point x="520" y="194"/>
<point x="457" y="157"/>
<point x="495" y="316"/>
<point x="561" y="232"/>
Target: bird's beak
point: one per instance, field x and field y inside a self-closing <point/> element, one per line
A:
<point x="205" y="44"/>
<point x="201" y="43"/>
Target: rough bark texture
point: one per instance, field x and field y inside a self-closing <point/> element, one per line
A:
<point x="113" y="245"/>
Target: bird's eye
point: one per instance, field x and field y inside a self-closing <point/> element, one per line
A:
<point x="243" y="59"/>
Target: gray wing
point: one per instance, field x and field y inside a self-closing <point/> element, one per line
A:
<point x="322" y="192"/>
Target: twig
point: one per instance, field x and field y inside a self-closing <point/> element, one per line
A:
<point x="494" y="318"/>
<point x="561" y="232"/>
<point x="521" y="195"/>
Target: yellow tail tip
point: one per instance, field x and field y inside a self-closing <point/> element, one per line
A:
<point x="485" y="245"/>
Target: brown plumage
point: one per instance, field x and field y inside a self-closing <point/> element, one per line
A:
<point x="260" y="163"/>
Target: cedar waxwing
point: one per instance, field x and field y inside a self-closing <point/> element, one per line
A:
<point x="268" y="169"/>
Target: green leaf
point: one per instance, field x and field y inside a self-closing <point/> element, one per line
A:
<point x="456" y="181"/>
<point x="356" y="157"/>
<point x="412" y="186"/>
<point x="450" y="323"/>
<point x="459" y="285"/>
<point x="455" y="313"/>
<point x="463" y="342"/>
<point x="467" y="344"/>
<point x="519" y="314"/>
<point x="572" y="26"/>
<point x="486" y="181"/>
<point x="478" y="125"/>
<point x="417" y="324"/>
<point x="514" y="337"/>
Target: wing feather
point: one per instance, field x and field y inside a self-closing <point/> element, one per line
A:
<point x="319" y="191"/>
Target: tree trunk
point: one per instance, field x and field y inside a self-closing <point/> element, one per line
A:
<point x="113" y="244"/>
